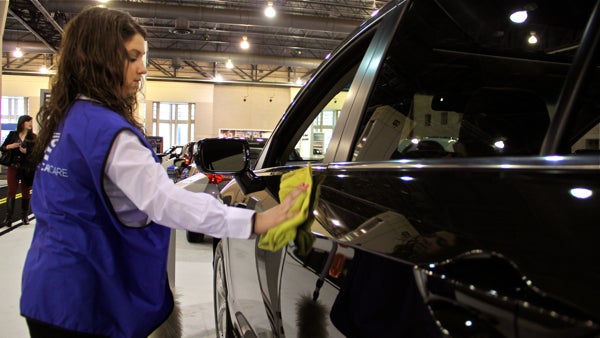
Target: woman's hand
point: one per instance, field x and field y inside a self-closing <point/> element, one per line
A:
<point x="280" y="213"/>
<point x="22" y="149"/>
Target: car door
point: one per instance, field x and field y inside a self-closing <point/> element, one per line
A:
<point x="477" y="228"/>
<point x="263" y="300"/>
<point x="497" y="226"/>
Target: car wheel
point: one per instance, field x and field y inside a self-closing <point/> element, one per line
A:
<point x="194" y="237"/>
<point x="223" y="323"/>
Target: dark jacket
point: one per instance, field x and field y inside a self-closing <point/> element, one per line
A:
<point x="17" y="156"/>
<point x="20" y="160"/>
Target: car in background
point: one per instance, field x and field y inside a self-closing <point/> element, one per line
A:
<point x="186" y="175"/>
<point x="198" y="183"/>
<point x="495" y="237"/>
<point x="183" y="165"/>
<point x="171" y="152"/>
<point x="171" y="158"/>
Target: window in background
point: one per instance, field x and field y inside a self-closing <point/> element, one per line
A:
<point x="315" y="140"/>
<point x="12" y="108"/>
<point x="174" y="122"/>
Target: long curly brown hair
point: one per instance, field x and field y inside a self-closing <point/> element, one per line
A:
<point x="92" y="62"/>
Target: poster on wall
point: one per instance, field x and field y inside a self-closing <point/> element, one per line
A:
<point x="249" y="134"/>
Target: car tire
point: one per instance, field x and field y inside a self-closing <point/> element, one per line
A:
<point x="223" y="325"/>
<point x="194" y="237"/>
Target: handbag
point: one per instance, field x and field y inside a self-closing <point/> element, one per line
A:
<point x="6" y="158"/>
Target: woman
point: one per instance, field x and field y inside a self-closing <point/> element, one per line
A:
<point x="20" y="143"/>
<point x="103" y="203"/>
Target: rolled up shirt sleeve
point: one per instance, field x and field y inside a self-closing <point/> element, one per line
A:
<point x="145" y="187"/>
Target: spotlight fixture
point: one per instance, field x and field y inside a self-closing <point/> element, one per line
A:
<point x="245" y="44"/>
<point x="518" y="16"/>
<point x="375" y="9"/>
<point x="270" y="10"/>
<point x="18" y="53"/>
<point x="533" y="39"/>
<point x="229" y="64"/>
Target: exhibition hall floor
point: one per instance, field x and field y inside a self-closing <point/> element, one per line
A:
<point x="193" y="282"/>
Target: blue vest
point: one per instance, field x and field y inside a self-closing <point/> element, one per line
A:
<point x="86" y="271"/>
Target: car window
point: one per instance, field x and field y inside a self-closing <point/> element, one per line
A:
<point x="582" y="133"/>
<point x="311" y="121"/>
<point x="315" y="139"/>
<point x="449" y="87"/>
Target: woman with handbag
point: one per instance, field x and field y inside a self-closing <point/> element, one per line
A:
<point x="19" y="144"/>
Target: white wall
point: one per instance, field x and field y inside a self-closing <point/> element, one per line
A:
<point x="262" y="108"/>
<point x="29" y="86"/>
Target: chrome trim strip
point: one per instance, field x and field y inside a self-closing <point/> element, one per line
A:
<point x="495" y="164"/>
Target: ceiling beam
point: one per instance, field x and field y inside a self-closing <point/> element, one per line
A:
<point x="215" y="15"/>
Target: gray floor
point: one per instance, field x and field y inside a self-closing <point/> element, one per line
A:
<point x="193" y="283"/>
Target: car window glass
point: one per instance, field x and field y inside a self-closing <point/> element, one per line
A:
<point x="322" y="104"/>
<point x="583" y="136"/>
<point x="583" y="128"/>
<point x="313" y="144"/>
<point x="454" y="86"/>
<point x="589" y="143"/>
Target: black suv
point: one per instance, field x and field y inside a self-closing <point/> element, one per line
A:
<point x="488" y="228"/>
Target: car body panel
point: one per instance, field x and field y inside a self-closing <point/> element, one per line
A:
<point x="497" y="244"/>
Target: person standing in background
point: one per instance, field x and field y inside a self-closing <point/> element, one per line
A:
<point x="20" y="143"/>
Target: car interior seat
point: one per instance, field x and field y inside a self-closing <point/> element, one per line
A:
<point x="502" y="121"/>
<point x="429" y="145"/>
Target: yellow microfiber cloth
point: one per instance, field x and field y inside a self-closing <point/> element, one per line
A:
<point x="277" y="237"/>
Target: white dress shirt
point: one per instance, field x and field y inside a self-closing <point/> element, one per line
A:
<point x="140" y="191"/>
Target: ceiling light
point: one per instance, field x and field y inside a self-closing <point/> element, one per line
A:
<point x="375" y="9"/>
<point x="218" y="78"/>
<point x="229" y="64"/>
<point x="18" y="53"/>
<point x="299" y="81"/>
<point x="518" y="16"/>
<point x="532" y="40"/>
<point x="245" y="44"/>
<point x="270" y="10"/>
<point x="44" y="69"/>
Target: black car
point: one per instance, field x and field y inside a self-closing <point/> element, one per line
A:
<point x="495" y="236"/>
